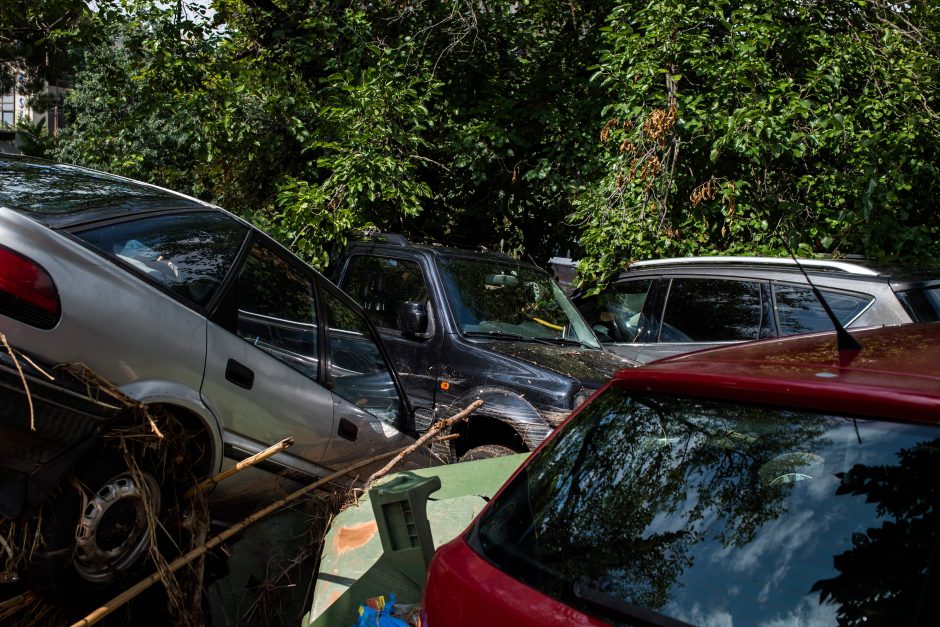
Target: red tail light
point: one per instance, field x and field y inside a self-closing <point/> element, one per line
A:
<point x="27" y="292"/>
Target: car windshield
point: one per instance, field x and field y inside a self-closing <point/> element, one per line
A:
<point x="714" y="512"/>
<point x="511" y="300"/>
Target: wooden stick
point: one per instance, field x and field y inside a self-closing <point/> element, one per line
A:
<point x="29" y="397"/>
<point x="213" y="542"/>
<point x="430" y="433"/>
<point x="36" y="367"/>
<point x="248" y="462"/>
<point x="10" y="607"/>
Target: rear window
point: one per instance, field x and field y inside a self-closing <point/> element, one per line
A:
<point x="923" y="305"/>
<point x="715" y="512"/>
<point x="188" y="253"/>
<point x="799" y="311"/>
<point x="62" y="195"/>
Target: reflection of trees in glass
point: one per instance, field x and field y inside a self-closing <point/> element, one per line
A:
<point x="796" y="308"/>
<point x="40" y="188"/>
<point x="360" y="373"/>
<point x="343" y="318"/>
<point x="268" y="285"/>
<point x="689" y="461"/>
<point x="634" y="492"/>
<point x="508" y="296"/>
<point x="714" y="310"/>
<point x="201" y="247"/>
<point x="889" y="575"/>
<point x="277" y="310"/>
<point x="799" y="311"/>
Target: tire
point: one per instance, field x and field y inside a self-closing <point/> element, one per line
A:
<point x="486" y="451"/>
<point x="84" y="551"/>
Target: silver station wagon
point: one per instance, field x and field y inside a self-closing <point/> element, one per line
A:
<point x="668" y="306"/>
<point x="193" y="312"/>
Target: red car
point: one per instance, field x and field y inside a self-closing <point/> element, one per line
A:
<point x="771" y="483"/>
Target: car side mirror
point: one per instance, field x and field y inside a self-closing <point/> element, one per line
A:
<point x="413" y="318"/>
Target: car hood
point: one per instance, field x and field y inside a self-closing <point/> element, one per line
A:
<point x="584" y="364"/>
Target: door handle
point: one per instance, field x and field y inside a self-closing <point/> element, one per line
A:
<point x="239" y="374"/>
<point x="347" y="430"/>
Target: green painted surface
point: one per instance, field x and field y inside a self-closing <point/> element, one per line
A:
<point x="353" y="567"/>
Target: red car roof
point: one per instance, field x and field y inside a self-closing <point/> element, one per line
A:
<point x="895" y="375"/>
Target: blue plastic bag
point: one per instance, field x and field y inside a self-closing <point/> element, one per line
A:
<point x="378" y="613"/>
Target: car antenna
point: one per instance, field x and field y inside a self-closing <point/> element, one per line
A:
<point x="846" y="343"/>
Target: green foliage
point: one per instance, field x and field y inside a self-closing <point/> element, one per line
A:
<point x="33" y="138"/>
<point x="513" y="126"/>
<point x="808" y="123"/>
<point x="290" y="115"/>
<point x="724" y="125"/>
<point x="35" y="39"/>
<point x="137" y="105"/>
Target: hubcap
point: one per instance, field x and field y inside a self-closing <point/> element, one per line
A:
<point x="112" y="532"/>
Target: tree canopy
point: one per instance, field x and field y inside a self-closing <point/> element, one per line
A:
<point x="614" y="129"/>
<point x="35" y="37"/>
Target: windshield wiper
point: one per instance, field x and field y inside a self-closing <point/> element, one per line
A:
<point x="564" y="341"/>
<point x="588" y="591"/>
<point x="506" y="336"/>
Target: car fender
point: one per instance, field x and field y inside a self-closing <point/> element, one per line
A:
<point x="508" y="407"/>
<point x="150" y="392"/>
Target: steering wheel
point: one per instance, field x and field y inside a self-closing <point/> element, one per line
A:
<point x="790" y="468"/>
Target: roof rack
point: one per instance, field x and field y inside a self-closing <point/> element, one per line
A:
<point x="823" y="264"/>
<point x="396" y="239"/>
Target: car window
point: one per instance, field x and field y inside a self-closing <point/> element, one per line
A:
<point x="799" y="311"/>
<point x="923" y="305"/>
<point x="277" y="309"/>
<point x="615" y="314"/>
<point x="359" y="372"/>
<point x="511" y="300"/>
<point x="381" y="284"/>
<point x="189" y="253"/>
<point x="714" y="310"/>
<point x="703" y="510"/>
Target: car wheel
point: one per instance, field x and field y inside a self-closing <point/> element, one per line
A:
<point x="486" y="451"/>
<point x="94" y="530"/>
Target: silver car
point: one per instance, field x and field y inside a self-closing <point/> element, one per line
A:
<point x="665" y="307"/>
<point x="207" y="321"/>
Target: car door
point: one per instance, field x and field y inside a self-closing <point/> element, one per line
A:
<point x="370" y="413"/>
<point x="382" y="285"/>
<point x="263" y="375"/>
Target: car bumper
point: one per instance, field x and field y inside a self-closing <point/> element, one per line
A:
<point x="43" y="432"/>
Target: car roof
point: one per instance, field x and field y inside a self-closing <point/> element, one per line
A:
<point x="896" y="374"/>
<point x="899" y="275"/>
<point x="783" y="263"/>
<point x="60" y="195"/>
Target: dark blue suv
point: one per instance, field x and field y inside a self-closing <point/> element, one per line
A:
<point x="463" y="325"/>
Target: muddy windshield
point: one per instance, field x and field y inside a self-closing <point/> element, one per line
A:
<point x="510" y="300"/>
